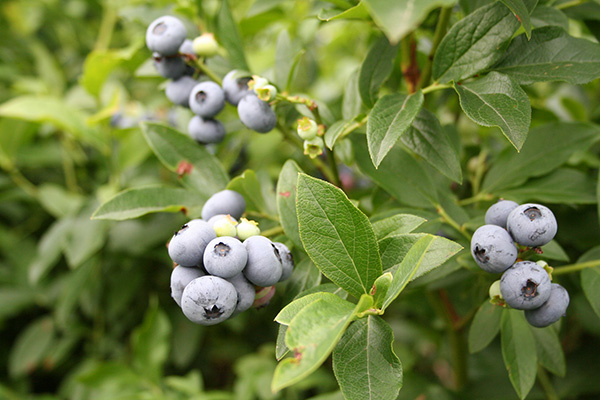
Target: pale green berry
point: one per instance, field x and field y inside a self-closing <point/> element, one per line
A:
<point x="313" y="148"/>
<point x="266" y="93"/>
<point x="225" y="226"/>
<point x="307" y="128"/>
<point x="205" y="45"/>
<point x="246" y="229"/>
<point x="495" y="294"/>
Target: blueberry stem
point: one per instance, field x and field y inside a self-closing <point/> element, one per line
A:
<point x="546" y="384"/>
<point x="450" y="221"/>
<point x="436" y="86"/>
<point x="567" y="269"/>
<point x="257" y="214"/>
<point x="440" y="31"/>
<point x="569" y="4"/>
<point x="275" y="231"/>
<point x="312" y="106"/>
<point x="198" y="63"/>
<point x="481" y="196"/>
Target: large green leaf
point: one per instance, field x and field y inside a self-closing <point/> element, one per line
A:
<point x="364" y="362"/>
<point x="551" y="55"/>
<point x="474" y="43"/>
<point x="391" y="116"/>
<point x="197" y="168"/>
<point x="337" y="236"/>
<point x="485" y="326"/>
<point x="547" y="147"/>
<point x="396" y="225"/>
<point x="520" y="10"/>
<point x="229" y="37"/>
<point x="398" y="18"/>
<point x="518" y="351"/>
<point x="133" y="203"/>
<point x="496" y="100"/>
<point x="590" y="282"/>
<point x="376" y="67"/>
<point x="286" y="200"/>
<point x="549" y="16"/>
<point x="428" y="139"/>
<point x="31" y="346"/>
<point x="248" y="186"/>
<point x="287" y="313"/>
<point x="549" y="350"/>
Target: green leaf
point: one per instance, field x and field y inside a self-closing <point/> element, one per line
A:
<point x="337" y="236"/>
<point x="485" y="326"/>
<point x="312" y="335"/>
<point x="399" y="174"/>
<point x="178" y="152"/>
<point x="407" y="269"/>
<point x="394" y="249"/>
<point x="49" y="249"/>
<point x="474" y="43"/>
<point x="398" y="18"/>
<point x="85" y="238"/>
<point x="396" y="225"/>
<point x="229" y="37"/>
<point x="590" y="282"/>
<point x="286" y="200"/>
<point x="133" y="203"/>
<point x="391" y="116"/>
<point x="547" y="147"/>
<point x="520" y="11"/>
<point x="31" y="346"/>
<point x="518" y="351"/>
<point x="375" y="69"/>
<point x="14" y="300"/>
<point x="563" y="186"/>
<point x="551" y="55"/>
<point x="305" y="276"/>
<point x="549" y="16"/>
<point x="99" y="64"/>
<point x="428" y="139"/>
<point x="351" y="102"/>
<point x="287" y="314"/>
<point x="359" y="11"/>
<point x="549" y="350"/>
<point x="496" y="100"/>
<point x="248" y="186"/>
<point x="364" y="362"/>
<point x="58" y="201"/>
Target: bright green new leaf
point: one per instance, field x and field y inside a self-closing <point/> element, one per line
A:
<point x="364" y="362"/>
<point x="337" y="236"/>
<point x="375" y="69"/>
<point x="359" y="11"/>
<point x="286" y="200"/>
<point x="496" y="100"/>
<point x="518" y="351"/>
<point x="485" y="326"/>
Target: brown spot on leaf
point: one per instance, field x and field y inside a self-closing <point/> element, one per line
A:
<point x="184" y="167"/>
<point x="285" y="194"/>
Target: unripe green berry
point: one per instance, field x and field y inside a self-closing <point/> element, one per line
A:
<point x="257" y="83"/>
<point x="266" y="93"/>
<point x="205" y="45"/>
<point x="496" y="295"/>
<point x="307" y="128"/>
<point x="246" y="229"/>
<point x="225" y="226"/>
<point x="313" y="148"/>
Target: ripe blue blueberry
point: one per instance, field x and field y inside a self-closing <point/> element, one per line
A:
<point x="165" y="35"/>
<point x="187" y="245"/>
<point x="206" y="130"/>
<point x="493" y="249"/>
<point x="225" y="257"/>
<point x="208" y="300"/>
<point x="224" y="202"/>
<point x="256" y="114"/>
<point x="525" y="286"/>
<point x="180" y="277"/>
<point x="498" y="212"/>
<point x="287" y="261"/>
<point x="207" y="99"/>
<point x="172" y="67"/>
<point x="245" y="292"/>
<point x="178" y="91"/>
<point x="235" y="86"/>
<point x="264" y="267"/>
<point x="187" y="47"/>
<point x="531" y="225"/>
<point x="551" y="311"/>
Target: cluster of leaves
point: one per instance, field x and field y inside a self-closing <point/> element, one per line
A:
<point x="418" y="99"/>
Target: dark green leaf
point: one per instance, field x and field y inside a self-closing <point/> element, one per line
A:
<point x="85" y="238"/>
<point x="485" y="326"/>
<point x="248" y="186"/>
<point x="551" y="55"/>
<point x="590" y="282"/>
<point x="396" y="225"/>
<point x="49" y="249"/>
<point x="549" y="350"/>
<point x="375" y="69"/>
<point x="520" y="10"/>
<point x="229" y="37"/>
<point x="428" y="139"/>
<point x="305" y="276"/>
<point x="286" y="200"/>
<point x="364" y="362"/>
<point x="391" y="116"/>
<point x="30" y="348"/>
<point x="15" y="300"/>
<point x="518" y="351"/>
<point x="337" y="236"/>
<point x="549" y="16"/>
<point x="496" y="100"/>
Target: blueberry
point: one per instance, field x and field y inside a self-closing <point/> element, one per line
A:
<point x="287" y="261"/>
<point x="180" y="277"/>
<point x="235" y="86"/>
<point x="245" y="291"/>
<point x="165" y="35"/>
<point x="209" y="300"/>
<point x="531" y="225"/>
<point x="178" y="91"/>
<point x="212" y="220"/>
<point x="206" y="130"/>
<point x="498" y="212"/>
<point x="224" y="202"/>
<point x="525" y="285"/>
<point x="256" y="114"/>
<point x="207" y="99"/>
<point x="225" y="257"/>
<point x="551" y="311"/>
<point x="493" y="249"/>
<point x="172" y="67"/>
<point x="187" y="47"/>
<point x="264" y="266"/>
<point x="187" y="245"/>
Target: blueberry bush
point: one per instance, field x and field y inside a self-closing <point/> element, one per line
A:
<point x="396" y="199"/>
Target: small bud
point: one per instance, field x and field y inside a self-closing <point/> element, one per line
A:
<point x="496" y="295"/>
<point x="246" y="229"/>
<point x="205" y="45"/>
<point x="263" y="296"/>
<point x="225" y="226"/>
<point x="307" y="128"/>
<point x="257" y="83"/>
<point x="313" y="148"/>
<point x="266" y="93"/>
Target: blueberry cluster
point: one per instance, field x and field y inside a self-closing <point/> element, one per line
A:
<point x="174" y="58"/>
<point x="525" y="285"/>
<point x="224" y="267"/>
